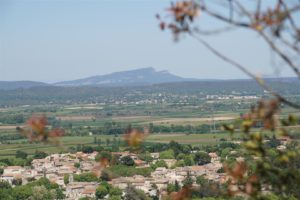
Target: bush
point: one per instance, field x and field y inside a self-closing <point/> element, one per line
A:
<point x="114" y="198"/>
<point x="115" y="191"/>
<point x="87" y="149"/>
<point x="202" y="158"/>
<point x="146" y="157"/>
<point x="101" y="192"/>
<point x="17" y="181"/>
<point x="127" y="160"/>
<point x="123" y="170"/>
<point x="171" y="188"/>
<point x="21" y="154"/>
<point x="159" y="163"/>
<point x="132" y="193"/>
<point x="39" y="155"/>
<point x="188" y="160"/>
<point x="168" y="154"/>
<point x="103" y="155"/>
<point x="85" y="177"/>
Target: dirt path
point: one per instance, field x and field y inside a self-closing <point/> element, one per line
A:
<point x="186" y="120"/>
<point x="74" y="118"/>
<point x="8" y="127"/>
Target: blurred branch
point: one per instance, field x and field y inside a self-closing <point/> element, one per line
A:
<point x="288" y="44"/>
<point x="288" y="12"/>
<point x="283" y="56"/>
<point x="247" y="72"/>
<point x="280" y="53"/>
<point x="213" y="32"/>
<point x="224" y="19"/>
<point x="271" y="19"/>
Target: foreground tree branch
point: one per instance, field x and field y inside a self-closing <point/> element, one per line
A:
<point x="269" y="23"/>
<point x="247" y="72"/>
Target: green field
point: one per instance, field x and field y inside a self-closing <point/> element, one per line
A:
<point x="83" y="117"/>
<point x="194" y="139"/>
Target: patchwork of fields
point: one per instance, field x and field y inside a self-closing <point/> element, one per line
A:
<point x="81" y="117"/>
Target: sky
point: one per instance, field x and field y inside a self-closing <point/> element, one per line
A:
<point x="56" y="40"/>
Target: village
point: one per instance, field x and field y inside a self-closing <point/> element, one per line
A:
<point x="55" y="167"/>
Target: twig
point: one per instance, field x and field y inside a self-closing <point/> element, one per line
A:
<point x="280" y="53"/>
<point x="215" y="31"/>
<point x="247" y="72"/>
<point x="267" y="39"/>
<point x="225" y="19"/>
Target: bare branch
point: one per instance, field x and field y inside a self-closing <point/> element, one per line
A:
<point x="293" y="24"/>
<point x="280" y="53"/>
<point x="224" y="19"/>
<point x="288" y="44"/>
<point x="271" y="43"/>
<point x="215" y="31"/>
<point x="247" y="72"/>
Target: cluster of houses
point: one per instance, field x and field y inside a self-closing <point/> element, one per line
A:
<point x="161" y="177"/>
<point x="56" y="166"/>
<point x="227" y="97"/>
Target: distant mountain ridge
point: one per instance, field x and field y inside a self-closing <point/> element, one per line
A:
<point x="12" y="85"/>
<point x="144" y="76"/>
<point x="138" y="77"/>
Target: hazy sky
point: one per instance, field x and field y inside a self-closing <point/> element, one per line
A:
<point x="54" y="40"/>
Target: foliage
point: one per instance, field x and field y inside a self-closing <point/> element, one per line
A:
<point x="188" y="160"/>
<point x="114" y="198"/>
<point x="170" y="188"/>
<point x="265" y="166"/>
<point x="22" y="192"/>
<point x="66" y="179"/>
<point x="104" y="189"/>
<point x="40" y="192"/>
<point x="146" y="157"/>
<point x="173" y="187"/>
<point x="77" y="165"/>
<point x="103" y="155"/>
<point x="114" y="191"/>
<point x="123" y="170"/>
<point x="17" y="181"/>
<point x="15" y="162"/>
<point x="135" y="194"/>
<point x="87" y="149"/>
<point x="40" y="189"/>
<point x="12" y="118"/>
<point x="5" y="190"/>
<point x="127" y="160"/>
<point x="159" y="163"/>
<point x="188" y="181"/>
<point x="5" y="185"/>
<point x="86" y="198"/>
<point x="202" y="158"/>
<point x="208" y="189"/>
<point x="168" y="154"/>
<point x="39" y="155"/>
<point x="101" y="192"/>
<point x="21" y="154"/>
<point x="85" y="177"/>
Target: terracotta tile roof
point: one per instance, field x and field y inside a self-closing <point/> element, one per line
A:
<point x="89" y="191"/>
<point x="197" y="168"/>
<point x="14" y="167"/>
<point x="7" y="175"/>
<point x="18" y="176"/>
<point x="139" y="162"/>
